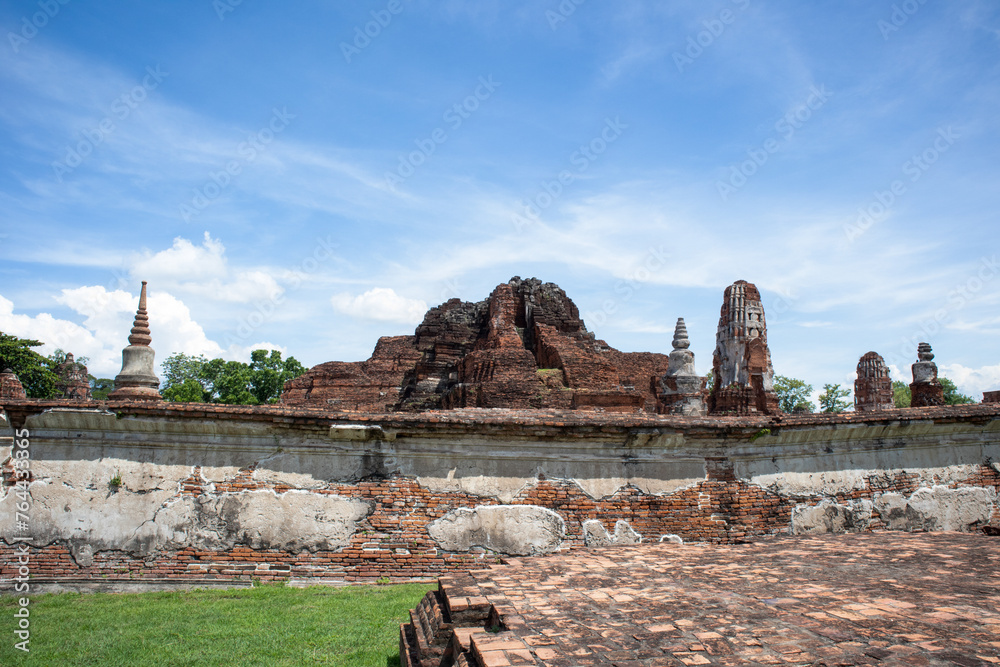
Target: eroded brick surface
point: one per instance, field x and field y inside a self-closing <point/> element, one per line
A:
<point x="523" y="347"/>
<point x="862" y="599"/>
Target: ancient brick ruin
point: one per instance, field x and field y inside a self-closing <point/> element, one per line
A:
<point x="73" y="382"/>
<point x="391" y="468"/>
<point x="10" y="387"/>
<point x="925" y="390"/>
<point x="873" y="387"/>
<point x="741" y="366"/>
<point x="523" y="347"/>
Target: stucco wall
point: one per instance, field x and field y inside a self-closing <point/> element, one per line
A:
<point x="270" y="493"/>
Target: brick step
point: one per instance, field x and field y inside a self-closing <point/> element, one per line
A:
<point x="500" y="648"/>
<point x="432" y="628"/>
<point x="461" y="646"/>
<point x="409" y="656"/>
<point x="465" y="607"/>
<point x="442" y="626"/>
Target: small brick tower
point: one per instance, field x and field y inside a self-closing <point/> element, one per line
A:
<point x="10" y="387"/>
<point x="925" y="389"/>
<point x="873" y="388"/>
<point x="73" y="382"/>
<point x="744" y="378"/>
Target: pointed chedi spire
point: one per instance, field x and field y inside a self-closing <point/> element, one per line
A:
<point x="681" y="341"/>
<point x="140" y="327"/>
<point x="682" y="391"/>
<point x="137" y="380"/>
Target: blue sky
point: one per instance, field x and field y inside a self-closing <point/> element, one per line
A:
<point x="310" y="177"/>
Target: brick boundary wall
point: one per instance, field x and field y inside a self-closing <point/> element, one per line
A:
<point x="747" y="490"/>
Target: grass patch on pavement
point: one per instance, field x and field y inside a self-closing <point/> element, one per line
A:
<point x="266" y="625"/>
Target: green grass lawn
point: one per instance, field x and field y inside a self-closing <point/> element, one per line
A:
<point x="267" y="625"/>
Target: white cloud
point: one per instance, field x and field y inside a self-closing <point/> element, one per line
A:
<point x="972" y="381"/>
<point x="898" y="375"/>
<point x="54" y="333"/>
<point x="380" y="303"/>
<point x="185" y="259"/>
<point x="107" y="319"/>
<point x="205" y="271"/>
<point x="237" y="352"/>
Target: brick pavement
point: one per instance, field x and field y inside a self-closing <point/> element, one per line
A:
<point x="886" y="598"/>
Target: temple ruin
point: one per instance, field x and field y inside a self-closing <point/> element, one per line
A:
<point x="925" y="389"/>
<point x="137" y="379"/>
<point x="500" y="428"/>
<point x="11" y="387"/>
<point x="523" y="347"/>
<point x="683" y="391"/>
<point x="73" y="382"/>
<point x="873" y="386"/>
<point x="741" y="366"/>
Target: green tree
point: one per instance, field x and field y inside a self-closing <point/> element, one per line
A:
<point x="32" y="369"/>
<point x="59" y="357"/>
<point x="793" y="395"/>
<point x="832" y="398"/>
<point x="100" y="387"/>
<point x="951" y="395"/>
<point x="179" y="367"/>
<point x="268" y="374"/>
<point x="188" y="391"/>
<point x="900" y="394"/>
<point x="190" y="378"/>
<point x="229" y="382"/>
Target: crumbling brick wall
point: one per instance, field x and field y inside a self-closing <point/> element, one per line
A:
<point x="717" y="480"/>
